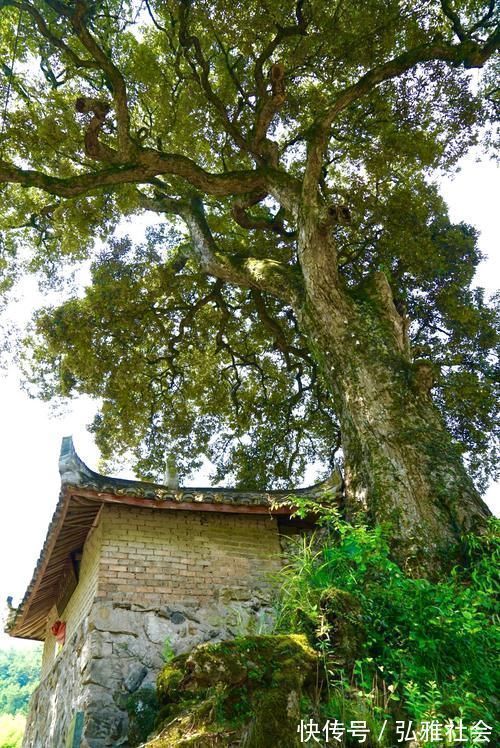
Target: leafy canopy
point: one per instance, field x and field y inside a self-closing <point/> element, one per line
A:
<point x="222" y="119"/>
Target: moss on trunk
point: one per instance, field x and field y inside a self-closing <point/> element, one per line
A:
<point x="402" y="467"/>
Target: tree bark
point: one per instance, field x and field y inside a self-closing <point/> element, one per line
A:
<point x="401" y="465"/>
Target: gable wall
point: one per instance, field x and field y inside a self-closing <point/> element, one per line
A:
<point x="86" y="589"/>
<point x="148" y="577"/>
<point x="164" y="557"/>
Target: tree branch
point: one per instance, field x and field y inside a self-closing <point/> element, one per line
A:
<point x="454" y="18"/>
<point x="282" y="33"/>
<point x="276" y="330"/>
<point x="268" y="106"/>
<point x="483" y="22"/>
<point x="468" y="53"/>
<point x="99" y="61"/>
<point x="247" y="272"/>
<point x="148" y="164"/>
<point x="93" y="147"/>
<point x="188" y="41"/>
<point x="44" y="30"/>
<point x="230" y="68"/>
<point x="131" y="163"/>
<point x="125" y="144"/>
<point x="243" y="219"/>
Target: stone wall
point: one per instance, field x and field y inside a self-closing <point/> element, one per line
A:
<point x="117" y="650"/>
<point x="176" y="577"/>
<point x="59" y="696"/>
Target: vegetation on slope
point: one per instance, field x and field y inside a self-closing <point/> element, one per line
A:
<point x="249" y="691"/>
<point x="393" y="646"/>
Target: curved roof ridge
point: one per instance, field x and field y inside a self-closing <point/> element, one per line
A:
<point x="74" y="472"/>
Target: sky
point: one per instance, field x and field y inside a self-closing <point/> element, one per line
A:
<point x="31" y="433"/>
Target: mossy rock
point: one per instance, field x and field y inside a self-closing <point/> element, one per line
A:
<point x="142" y="708"/>
<point x="344" y="619"/>
<point x="246" y="693"/>
<point x="168" y="683"/>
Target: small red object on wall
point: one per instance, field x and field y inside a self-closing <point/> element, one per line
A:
<point x="59" y="631"/>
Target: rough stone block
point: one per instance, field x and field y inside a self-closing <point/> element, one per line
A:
<point x="107" y="673"/>
<point x="116" y="620"/>
<point x="157" y="629"/>
<point x="135" y="677"/>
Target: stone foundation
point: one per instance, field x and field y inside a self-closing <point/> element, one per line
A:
<point x="118" y="649"/>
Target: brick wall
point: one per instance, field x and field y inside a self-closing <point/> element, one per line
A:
<point x="161" y="557"/>
<point x="86" y="589"/>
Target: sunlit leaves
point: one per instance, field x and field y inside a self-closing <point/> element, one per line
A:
<point x="184" y="363"/>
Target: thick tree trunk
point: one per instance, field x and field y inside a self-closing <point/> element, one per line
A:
<point x="401" y="465"/>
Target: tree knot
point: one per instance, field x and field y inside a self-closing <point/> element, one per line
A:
<point x="339" y="214"/>
<point x="277" y="76"/>
<point x="85" y="105"/>
<point x="424" y="376"/>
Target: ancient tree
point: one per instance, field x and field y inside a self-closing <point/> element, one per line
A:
<point x="305" y="290"/>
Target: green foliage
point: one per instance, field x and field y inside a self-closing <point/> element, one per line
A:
<point x="167" y="651"/>
<point x="11" y="730"/>
<point x="19" y="676"/>
<point x="170" y="354"/>
<point x="216" y="368"/>
<point x="430" y="647"/>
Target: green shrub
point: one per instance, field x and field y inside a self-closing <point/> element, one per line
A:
<point x="429" y="648"/>
<point x="11" y="730"/>
<point x="168" y="652"/>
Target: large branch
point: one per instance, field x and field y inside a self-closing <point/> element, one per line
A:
<point x="75" y="16"/>
<point x="468" y="53"/>
<point x="94" y="147"/>
<point x="269" y="105"/>
<point x="125" y="143"/>
<point x="266" y="111"/>
<point x="99" y="59"/>
<point x="149" y="164"/>
<point x="130" y="163"/>
<point x="454" y="18"/>
<point x="254" y="273"/>
<point x="283" y="32"/>
<point x="249" y="272"/>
